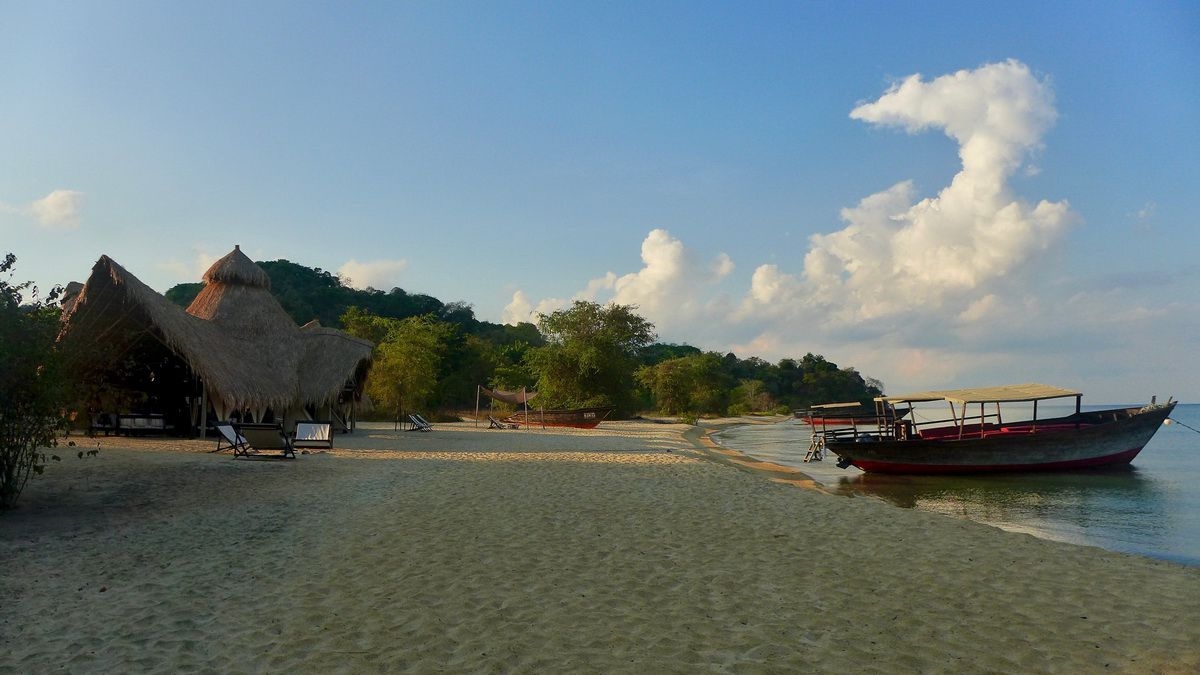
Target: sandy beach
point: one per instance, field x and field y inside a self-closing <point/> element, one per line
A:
<point x="634" y="547"/>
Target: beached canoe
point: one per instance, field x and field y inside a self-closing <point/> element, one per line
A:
<point x="581" y="418"/>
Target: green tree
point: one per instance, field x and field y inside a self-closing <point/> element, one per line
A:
<point x="361" y="323"/>
<point x="33" y="387"/>
<point x="659" y="352"/>
<point x="408" y="357"/>
<point x="590" y="355"/>
<point x="750" y="396"/>
<point x="466" y="362"/>
<point x="670" y="384"/>
<point x="184" y="294"/>
<point x="695" y="384"/>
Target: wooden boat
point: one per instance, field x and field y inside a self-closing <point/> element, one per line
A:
<point x="982" y="441"/>
<point x="580" y="418"/>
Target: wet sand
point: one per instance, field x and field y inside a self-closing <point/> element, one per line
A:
<point x="631" y="548"/>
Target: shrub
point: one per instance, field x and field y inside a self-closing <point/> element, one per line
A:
<point x="32" y="385"/>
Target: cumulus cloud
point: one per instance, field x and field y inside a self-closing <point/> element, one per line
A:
<point x="518" y="310"/>
<point x="187" y="272"/>
<point x="668" y="289"/>
<point x="58" y="210"/>
<point x="381" y="274"/>
<point x="895" y="255"/>
<point x="670" y="277"/>
<point x="905" y="273"/>
<point x="521" y="309"/>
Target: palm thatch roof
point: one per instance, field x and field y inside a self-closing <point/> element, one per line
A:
<point x="235" y="335"/>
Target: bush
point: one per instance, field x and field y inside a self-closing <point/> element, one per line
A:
<point x="32" y="385"/>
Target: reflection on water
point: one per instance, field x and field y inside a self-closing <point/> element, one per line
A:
<point x="1060" y="506"/>
<point x="1150" y="508"/>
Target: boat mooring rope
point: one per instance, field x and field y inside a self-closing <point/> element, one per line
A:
<point x="1175" y="421"/>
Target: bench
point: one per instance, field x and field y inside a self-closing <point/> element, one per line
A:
<point x="136" y="425"/>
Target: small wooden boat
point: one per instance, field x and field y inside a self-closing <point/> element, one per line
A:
<point x="580" y="418"/>
<point x="985" y="442"/>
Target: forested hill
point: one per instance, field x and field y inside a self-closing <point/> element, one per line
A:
<point x="415" y="333"/>
<point x="308" y="294"/>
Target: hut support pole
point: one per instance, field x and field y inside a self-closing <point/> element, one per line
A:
<point x="203" y="412"/>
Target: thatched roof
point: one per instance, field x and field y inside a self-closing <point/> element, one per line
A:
<point x="234" y="335"/>
<point x="237" y="297"/>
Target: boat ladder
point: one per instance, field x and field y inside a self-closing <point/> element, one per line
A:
<point x="816" y="448"/>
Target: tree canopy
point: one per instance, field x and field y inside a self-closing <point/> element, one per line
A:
<point x="590" y="355"/>
<point x="308" y="293"/>
<point x="587" y="354"/>
<point x="408" y="357"/>
<point x="708" y="383"/>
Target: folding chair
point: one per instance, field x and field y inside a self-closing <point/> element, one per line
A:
<point x="261" y="437"/>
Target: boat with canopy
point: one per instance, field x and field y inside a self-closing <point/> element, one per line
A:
<point x="977" y="437"/>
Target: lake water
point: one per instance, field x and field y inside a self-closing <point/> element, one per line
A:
<point x="1149" y="508"/>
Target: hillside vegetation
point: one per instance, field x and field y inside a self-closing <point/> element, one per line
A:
<point x="430" y="355"/>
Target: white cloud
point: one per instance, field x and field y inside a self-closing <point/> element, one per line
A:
<point x="182" y="272"/>
<point x="597" y="287"/>
<point x="667" y="285"/>
<point x="669" y="289"/>
<point x="380" y="274"/>
<point x="518" y="310"/>
<point x="522" y="310"/>
<point x="1144" y="217"/>
<point x="931" y="280"/>
<point x="895" y="257"/>
<point x="58" y="210"/>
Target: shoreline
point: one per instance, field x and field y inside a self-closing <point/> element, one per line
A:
<point x="623" y="549"/>
<point x="1052" y="521"/>
<point x="780" y="473"/>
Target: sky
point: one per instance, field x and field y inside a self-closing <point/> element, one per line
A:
<point x="938" y="194"/>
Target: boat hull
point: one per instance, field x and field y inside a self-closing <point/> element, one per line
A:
<point x="579" y="418"/>
<point x="1092" y="445"/>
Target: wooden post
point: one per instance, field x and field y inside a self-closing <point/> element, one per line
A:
<point x="203" y="411"/>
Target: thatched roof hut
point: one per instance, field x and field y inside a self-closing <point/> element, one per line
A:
<point x="235" y="337"/>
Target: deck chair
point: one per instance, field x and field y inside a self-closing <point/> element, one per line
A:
<point x="227" y="437"/>
<point x="419" y="423"/>
<point x="260" y="437"/>
<point x="313" y="435"/>
<point x="494" y="423"/>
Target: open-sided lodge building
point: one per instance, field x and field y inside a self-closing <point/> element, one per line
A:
<point x="233" y="353"/>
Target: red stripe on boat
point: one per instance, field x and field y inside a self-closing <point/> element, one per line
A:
<point x="1124" y="457"/>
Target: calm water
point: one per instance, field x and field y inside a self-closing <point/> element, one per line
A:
<point x="1150" y="508"/>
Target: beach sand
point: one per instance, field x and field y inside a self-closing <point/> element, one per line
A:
<point x="630" y="548"/>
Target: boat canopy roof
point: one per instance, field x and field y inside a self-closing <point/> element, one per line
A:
<point x="1012" y="393"/>
<point x="827" y="406"/>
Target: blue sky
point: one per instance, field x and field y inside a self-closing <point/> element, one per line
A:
<point x="859" y="180"/>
